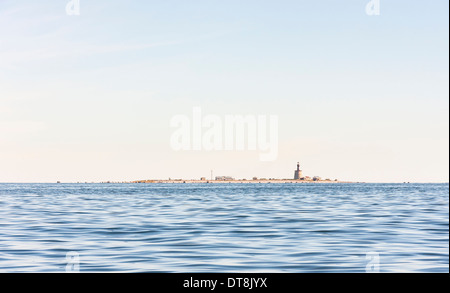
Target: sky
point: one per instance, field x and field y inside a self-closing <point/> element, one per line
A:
<point x="90" y="97"/>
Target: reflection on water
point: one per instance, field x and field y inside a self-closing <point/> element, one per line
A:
<point x="224" y="227"/>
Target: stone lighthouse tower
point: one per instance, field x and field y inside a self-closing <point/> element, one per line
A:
<point x="298" y="173"/>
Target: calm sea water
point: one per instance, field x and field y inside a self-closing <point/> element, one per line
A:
<point x="224" y="227"/>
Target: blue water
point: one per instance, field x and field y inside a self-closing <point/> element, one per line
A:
<point x="224" y="227"/>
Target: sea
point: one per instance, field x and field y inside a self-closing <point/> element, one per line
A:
<point x="235" y="228"/>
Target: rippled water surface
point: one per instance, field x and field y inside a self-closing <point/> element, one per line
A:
<point x="224" y="227"/>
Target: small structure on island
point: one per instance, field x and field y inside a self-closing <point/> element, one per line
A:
<point x="298" y="173"/>
<point x="224" y="178"/>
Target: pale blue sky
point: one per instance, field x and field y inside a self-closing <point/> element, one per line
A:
<point x="90" y="97"/>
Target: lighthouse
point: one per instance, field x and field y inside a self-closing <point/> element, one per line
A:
<point x="298" y="173"/>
